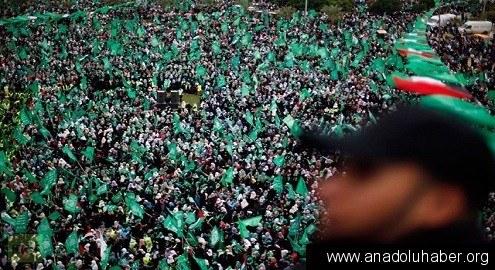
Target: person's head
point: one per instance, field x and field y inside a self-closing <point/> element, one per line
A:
<point x="415" y="170"/>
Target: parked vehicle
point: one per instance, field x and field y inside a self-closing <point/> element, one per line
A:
<point x="476" y="27"/>
<point x="441" y="19"/>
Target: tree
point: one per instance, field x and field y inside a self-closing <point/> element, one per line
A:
<point x="423" y="5"/>
<point x="385" y="6"/>
<point x="112" y="2"/>
<point x="165" y="3"/>
<point x="346" y="5"/>
<point x="333" y="12"/>
<point x="244" y="3"/>
<point x="455" y="21"/>
<point x="489" y="16"/>
<point x="286" y="12"/>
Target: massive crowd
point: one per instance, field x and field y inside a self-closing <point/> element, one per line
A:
<point x="145" y="187"/>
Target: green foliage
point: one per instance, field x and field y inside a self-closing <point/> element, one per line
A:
<point x="112" y="2"/>
<point x="333" y="12"/>
<point x="423" y="5"/>
<point x="286" y="12"/>
<point x="385" y="6"/>
<point x="244" y="3"/>
<point x="346" y="5"/>
<point x="489" y="16"/>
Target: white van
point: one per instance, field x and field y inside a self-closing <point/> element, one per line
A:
<point x="476" y="27"/>
<point x="441" y="20"/>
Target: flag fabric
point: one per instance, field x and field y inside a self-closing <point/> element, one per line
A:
<point x="66" y="150"/>
<point x="228" y="176"/>
<point x="89" y="153"/>
<point x="102" y="189"/>
<point x="294" y="225"/>
<point x="464" y="110"/>
<point x="301" y="187"/>
<point x="70" y="204"/>
<point x="289" y="121"/>
<point x="215" y="237"/>
<point x="201" y="263"/>
<point x="72" y="243"/>
<point x="21" y="222"/>
<point x="408" y="51"/>
<point x="296" y="130"/>
<point x="279" y="161"/>
<point x="44" y="227"/>
<point x="105" y="257"/>
<point x="249" y="117"/>
<point x="49" y="180"/>
<point x="54" y="216"/>
<point x="11" y="196"/>
<point x="134" y="207"/>
<point x="278" y="184"/>
<point x="197" y="224"/>
<point x="45" y="245"/>
<point x="297" y="248"/>
<point x="252" y="222"/>
<point x="427" y="86"/>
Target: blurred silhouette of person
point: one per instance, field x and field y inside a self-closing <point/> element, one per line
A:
<point x="416" y="176"/>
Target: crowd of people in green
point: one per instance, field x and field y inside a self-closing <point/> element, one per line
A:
<point x="106" y="179"/>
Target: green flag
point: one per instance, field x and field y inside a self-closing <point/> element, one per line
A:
<point x="294" y="226"/>
<point x="134" y="207"/>
<point x="105" y="257"/>
<point x="201" y="263"/>
<point x="66" y="150"/>
<point x="296" y="130"/>
<point x="301" y="187"/>
<point x="102" y="189"/>
<point x="45" y="245"/>
<point x="70" y="204"/>
<point x="196" y="224"/>
<point x="37" y="198"/>
<point x="89" y="153"/>
<point x="305" y="94"/>
<point x="25" y="119"/>
<point x="252" y="222"/>
<point x="249" y="117"/>
<point x="9" y="194"/>
<point x="54" y="216"/>
<point x="20" y="225"/>
<point x="243" y="230"/>
<point x="44" y="227"/>
<point x="49" y="180"/>
<point x="278" y="184"/>
<point x="228" y="176"/>
<point x="279" y="161"/>
<point x="215" y="237"/>
<point x="289" y="121"/>
<point x="464" y="110"/>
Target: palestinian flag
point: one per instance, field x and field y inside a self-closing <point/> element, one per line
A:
<point x="404" y="41"/>
<point x="428" y="86"/>
<point x="408" y="51"/>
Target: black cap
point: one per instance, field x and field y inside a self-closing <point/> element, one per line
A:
<point x="449" y="150"/>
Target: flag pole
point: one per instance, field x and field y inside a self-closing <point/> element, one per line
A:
<point x="306" y="8"/>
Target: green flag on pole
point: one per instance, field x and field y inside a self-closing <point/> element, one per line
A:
<point x="278" y="184"/>
<point x="66" y="150"/>
<point x="135" y="207"/>
<point x="45" y="245"/>
<point x="215" y="237"/>
<point x="44" y="227"/>
<point x="72" y="243"/>
<point x="279" y="161"/>
<point x="70" y="204"/>
<point x="301" y="187"/>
